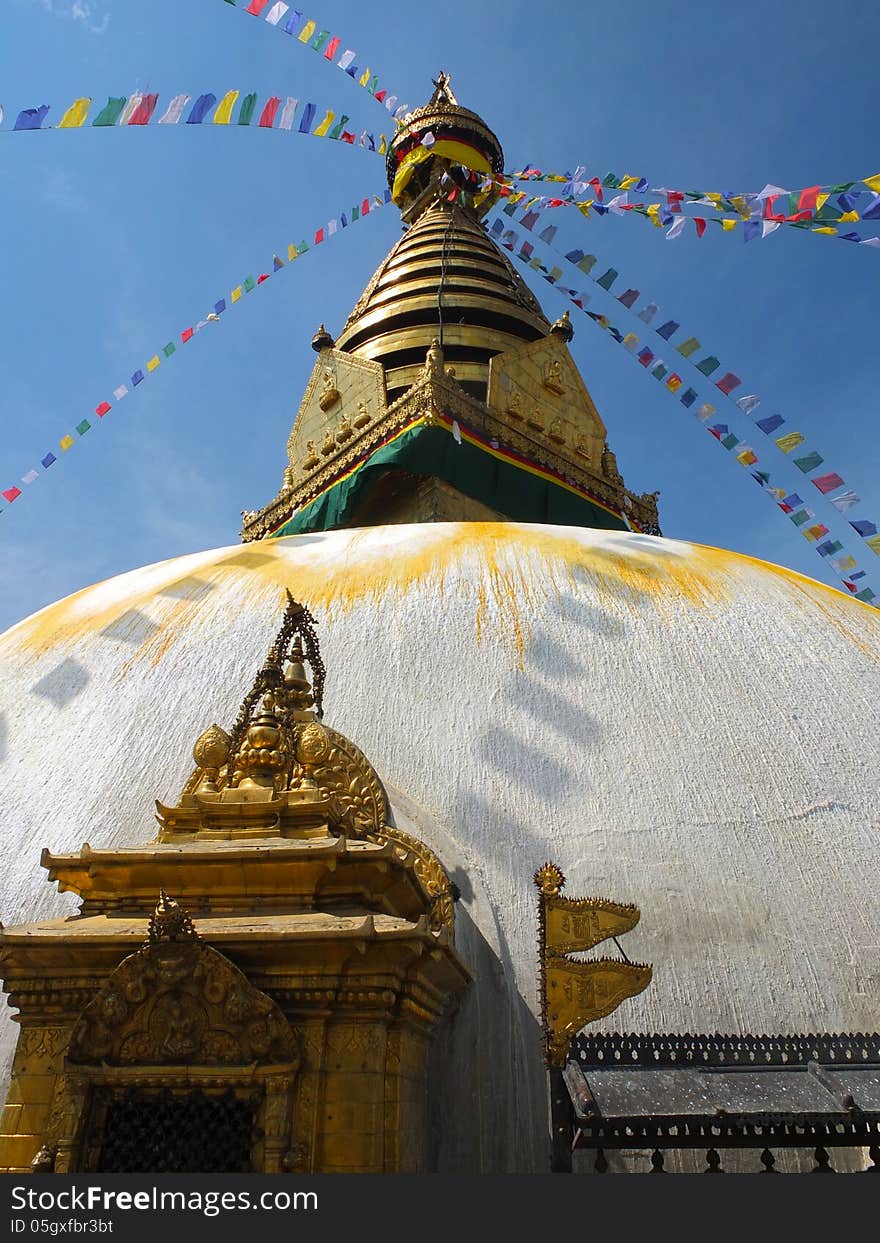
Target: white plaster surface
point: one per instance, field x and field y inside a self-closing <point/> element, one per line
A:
<point x="675" y="726"/>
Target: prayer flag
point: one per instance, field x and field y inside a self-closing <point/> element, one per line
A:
<point x="845" y="501"/>
<point x="305" y="123"/>
<point x="277" y="264"/>
<point x="645" y="357"/>
<point x="236" y="294"/>
<point x="256" y="7"/>
<point x="143" y="113"/>
<point x="307" y="31"/>
<point x="275" y="14"/>
<point x="700" y="225"/>
<point x="174" y="110"/>
<point x="120" y="392"/>
<point x="867" y="595"/>
<point x="48" y="460"/>
<point x="863" y="526"/>
<point x="607" y="279"/>
<point x="630" y="341"/>
<point x="807" y="199"/>
<point x="688" y="347"/>
<point x="267" y="117"/>
<point x="718" y="430"/>
<point x="708" y="365"/>
<point x="659" y="371"/>
<point x="728" y="383"/>
<point x="137" y="377"/>
<point x="75" y="114"/>
<point x="220" y="306"/>
<point x="790" y="441"/>
<point x="729" y="441"/>
<point x="688" y="397"/>
<point x="751" y="230"/>
<point x="873" y="183"/>
<point x="747" y="456"/>
<point x="292" y="22"/>
<point x="809" y="462"/>
<point x="587" y="264"/>
<point x="83" y="427"/>
<point x="727" y="225"/>
<point x="674" y="382"/>
<point x="66" y="442"/>
<point x="223" y="115"/>
<point x="815" y="532"/>
<point x="128" y="111"/>
<point x="102" y="409"/>
<point x="30" y="476"/>
<point x="842" y="564"/>
<point x="648" y="312"/>
<point x="677" y="227"/>
<point x="264" y="276"/>
<point x="338" y="128"/>
<point x="802" y="516"/>
<point x="830" y="547"/>
<point x="33" y="118"/>
<point x="11" y="494"/>
<point x="249" y="284"/>
<point x="628" y="298"/>
<point x="331" y="49"/>
<point x="749" y="403"/>
<point x="668" y="329"/>
<point x="770" y="424"/>
<point x="186" y="335"/>
<point x="874" y="544"/>
<point x="321" y="129"/>
<point x="827" y="483"/>
<point x="169" y="349"/>
<point x="153" y="363"/>
<point x="705" y="411"/>
<point x="200" y="109"/>
<point x="345" y="60"/>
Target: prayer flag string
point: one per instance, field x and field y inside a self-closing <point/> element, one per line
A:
<point x="308" y="31"/>
<point x="233" y="108"/>
<point x="220" y="307"/>
<point x="788" y="501"/>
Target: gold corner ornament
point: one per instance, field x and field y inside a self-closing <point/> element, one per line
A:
<point x="575" y="993"/>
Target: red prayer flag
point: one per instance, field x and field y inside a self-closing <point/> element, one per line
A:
<point x="728" y="383"/>
<point x="827" y="483"/>
<point x="256" y="7"/>
<point x="346" y="137"/>
<point x="11" y="493"/>
<point x="674" y="196"/>
<point x="144" y="110"/>
<point x="263" y="277"/>
<point x="807" y="200"/>
<point x="365" y="207"/>
<point x="700" y="225"/>
<point x="267" y="120"/>
<point x="186" y="334"/>
<point x="799" y="215"/>
<point x="332" y="48"/>
<point x="319" y="236"/>
<point x="103" y="409"/>
<point x="380" y="95"/>
<point x="597" y="186"/>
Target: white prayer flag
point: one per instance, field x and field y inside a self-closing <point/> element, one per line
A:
<point x="30" y="477"/>
<point x="647" y="313"/>
<point x="275" y="14"/>
<point x="346" y="58"/>
<point x="287" y="113"/>
<point x="120" y="392"/>
<point x="676" y="228"/>
<point x="174" y="110"/>
<point x="845" y="501"/>
<point x="125" y="115"/>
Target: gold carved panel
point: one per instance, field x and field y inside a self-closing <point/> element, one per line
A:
<point x="344" y="397"/>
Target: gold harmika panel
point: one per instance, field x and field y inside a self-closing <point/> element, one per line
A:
<point x="574" y="993"/>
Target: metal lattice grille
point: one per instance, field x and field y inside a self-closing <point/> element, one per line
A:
<point x="168" y="1133"/>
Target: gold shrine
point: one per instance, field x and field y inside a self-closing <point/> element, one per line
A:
<point x="273" y="1013"/>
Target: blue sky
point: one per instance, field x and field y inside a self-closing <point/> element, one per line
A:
<point x="115" y="240"/>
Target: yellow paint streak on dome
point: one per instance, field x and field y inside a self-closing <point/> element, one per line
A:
<point x="508" y="570"/>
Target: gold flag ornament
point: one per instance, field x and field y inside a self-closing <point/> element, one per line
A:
<point x="574" y="993"/>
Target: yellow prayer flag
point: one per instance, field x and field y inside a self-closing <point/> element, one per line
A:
<point x="555" y="177"/>
<point x="740" y="204"/>
<point x="66" y="442"/>
<point x="790" y="441"/>
<point x="674" y="383"/>
<point x="365" y="77"/>
<point x="383" y="144"/>
<point x="75" y="114"/>
<point x="848" y="216"/>
<point x="236" y="294"/>
<point x="714" y="198"/>
<point x="584" y="208"/>
<point x="628" y="181"/>
<point x="821" y="200"/>
<point x="153" y="363"/>
<point x="223" y="115"/>
<point x="291" y="255"/>
<point x="747" y="457"/>
<point x="873" y="183"/>
<point x="874" y="544"/>
<point x="727" y="225"/>
<point x="321" y="131"/>
<point x="306" y="33"/>
<point x="825" y="228"/>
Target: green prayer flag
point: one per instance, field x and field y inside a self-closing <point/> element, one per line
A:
<point x="249" y="284"/>
<point x="111" y="111"/>
<point x="607" y="279"/>
<point x="729" y="442"/>
<point x="169" y="349"/>
<point x="842" y="188"/>
<point x="587" y="264"/>
<point x="355" y="213"/>
<point x="246" y="112"/>
<point x="83" y="427"/>
<point x="810" y="462"/>
<point x="688" y="347"/>
<point x="708" y="365"/>
<point x="336" y="131"/>
<point x="611" y="181"/>
<point x="320" y="40"/>
<point x="802" y="516"/>
<point x="659" y="371"/>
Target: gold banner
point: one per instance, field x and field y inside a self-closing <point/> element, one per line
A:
<point x="578" y="993"/>
<point x="579" y="924"/>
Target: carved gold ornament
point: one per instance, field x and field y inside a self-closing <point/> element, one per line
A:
<point x="329" y="392"/>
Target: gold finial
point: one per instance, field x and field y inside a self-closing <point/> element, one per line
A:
<point x="563" y="327"/>
<point x="550" y="880"/>
<point x="443" y="90"/>
<point x="322" y="340"/>
<point x="170" y="922"/>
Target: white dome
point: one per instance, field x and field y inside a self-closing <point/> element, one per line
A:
<point x="675" y="726"/>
